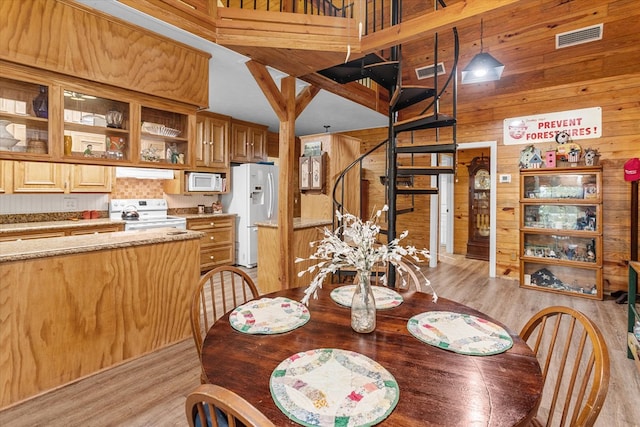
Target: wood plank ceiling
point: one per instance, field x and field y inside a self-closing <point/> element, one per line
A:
<point x="521" y="34"/>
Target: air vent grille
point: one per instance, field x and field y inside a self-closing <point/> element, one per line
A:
<point x="426" y="72"/>
<point x="583" y="35"/>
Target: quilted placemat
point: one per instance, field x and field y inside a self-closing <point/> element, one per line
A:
<point x="333" y="387"/>
<point x="269" y="316"/>
<point x="461" y="333"/>
<point x="385" y="297"/>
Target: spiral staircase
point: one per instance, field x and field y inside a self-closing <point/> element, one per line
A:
<point x="405" y="161"/>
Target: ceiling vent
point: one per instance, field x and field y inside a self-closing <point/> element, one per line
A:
<point x="426" y="72"/>
<point x="583" y="35"/>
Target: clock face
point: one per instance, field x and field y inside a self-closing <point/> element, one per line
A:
<point x="482" y="180"/>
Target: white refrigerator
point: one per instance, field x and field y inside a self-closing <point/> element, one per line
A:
<point x="253" y="198"/>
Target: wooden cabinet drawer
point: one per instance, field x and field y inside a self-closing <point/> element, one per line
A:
<point x="220" y="236"/>
<point x="213" y="257"/>
<point x="209" y="223"/>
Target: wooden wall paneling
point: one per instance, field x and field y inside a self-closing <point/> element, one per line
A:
<point x="101" y="48"/>
<point x="480" y="118"/>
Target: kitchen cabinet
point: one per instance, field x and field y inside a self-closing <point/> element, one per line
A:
<point x="217" y="246"/>
<point x="340" y="151"/>
<point x="5" y="176"/>
<point x="212" y="142"/>
<point x="312" y="173"/>
<point x="92" y="124"/>
<point x="248" y="142"/>
<point x="43" y="177"/>
<point x="561" y="230"/>
<point x="94" y="306"/>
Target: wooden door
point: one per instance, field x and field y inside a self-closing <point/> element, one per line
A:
<point x="38" y="177"/>
<point x="90" y="179"/>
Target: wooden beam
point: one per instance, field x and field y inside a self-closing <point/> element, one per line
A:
<point x="269" y="88"/>
<point x="305" y="97"/>
<point x="429" y="23"/>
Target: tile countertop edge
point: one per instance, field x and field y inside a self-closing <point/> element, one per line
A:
<point x="54" y="246"/>
<point x="299" y="223"/>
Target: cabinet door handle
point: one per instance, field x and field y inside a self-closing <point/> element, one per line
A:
<point x="213" y="223"/>
<point x="211" y="257"/>
<point x="212" y="238"/>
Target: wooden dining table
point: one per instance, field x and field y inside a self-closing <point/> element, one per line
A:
<point x="437" y="386"/>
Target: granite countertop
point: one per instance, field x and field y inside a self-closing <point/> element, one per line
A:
<point x="52" y="225"/>
<point x="299" y="223"/>
<point x="53" y="246"/>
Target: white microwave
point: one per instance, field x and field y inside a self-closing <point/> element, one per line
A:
<point x="202" y="181"/>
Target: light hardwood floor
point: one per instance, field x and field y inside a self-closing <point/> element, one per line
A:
<point x="151" y="390"/>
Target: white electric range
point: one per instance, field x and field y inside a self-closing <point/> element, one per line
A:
<point x="151" y="213"/>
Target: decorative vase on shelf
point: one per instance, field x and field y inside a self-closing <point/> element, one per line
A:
<point x="41" y="103"/>
<point x="363" y="305"/>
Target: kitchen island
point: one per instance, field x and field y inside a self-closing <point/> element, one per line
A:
<point x="305" y="231"/>
<point x="71" y="306"/>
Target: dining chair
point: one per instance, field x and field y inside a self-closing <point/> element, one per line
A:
<point x="406" y="280"/>
<point x="229" y="409"/>
<point x="218" y="291"/>
<point x="575" y="366"/>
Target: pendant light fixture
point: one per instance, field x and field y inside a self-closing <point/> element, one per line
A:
<point x="483" y="67"/>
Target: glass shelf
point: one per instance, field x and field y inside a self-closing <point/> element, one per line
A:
<point x="562" y="278"/>
<point x="561" y="186"/>
<point x="560" y="217"/>
<point x="561" y="248"/>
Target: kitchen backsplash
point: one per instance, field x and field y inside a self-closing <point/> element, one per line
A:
<point x="54" y="207"/>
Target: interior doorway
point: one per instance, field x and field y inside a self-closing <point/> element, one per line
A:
<point x="447" y="204"/>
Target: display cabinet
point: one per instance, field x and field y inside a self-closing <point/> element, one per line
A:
<point x="164" y="136"/>
<point x="95" y="126"/>
<point x="24" y="121"/>
<point x="71" y="121"/>
<point x="479" y="210"/>
<point x="561" y="230"/>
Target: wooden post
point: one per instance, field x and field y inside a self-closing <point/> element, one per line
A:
<point x="287" y="107"/>
<point x="285" y="191"/>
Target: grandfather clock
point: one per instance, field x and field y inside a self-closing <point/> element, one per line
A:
<point x="479" y="196"/>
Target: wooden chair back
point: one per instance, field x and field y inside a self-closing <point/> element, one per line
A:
<point x="406" y="276"/>
<point x="575" y="366"/>
<point x="202" y="403"/>
<point x="219" y="291"/>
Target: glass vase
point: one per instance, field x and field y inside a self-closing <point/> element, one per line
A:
<point x="363" y="305"/>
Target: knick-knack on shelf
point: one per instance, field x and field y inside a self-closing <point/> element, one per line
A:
<point x="41" y="103"/>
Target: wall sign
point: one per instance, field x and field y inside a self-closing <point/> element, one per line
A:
<point x="585" y="123"/>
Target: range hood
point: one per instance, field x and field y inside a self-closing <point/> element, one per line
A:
<point x="143" y="173"/>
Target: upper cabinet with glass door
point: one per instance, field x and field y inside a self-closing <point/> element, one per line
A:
<point x="24" y="119"/>
<point x="96" y="127"/>
<point x="164" y="136"/>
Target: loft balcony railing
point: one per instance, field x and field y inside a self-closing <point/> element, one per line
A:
<point x="373" y="14"/>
